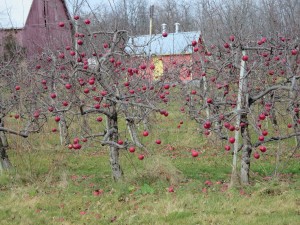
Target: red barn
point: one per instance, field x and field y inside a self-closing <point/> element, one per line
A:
<point x="167" y="52"/>
<point x="33" y="26"/>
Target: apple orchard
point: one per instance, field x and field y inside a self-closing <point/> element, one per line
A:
<point x="244" y="95"/>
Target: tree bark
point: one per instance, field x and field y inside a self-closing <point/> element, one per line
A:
<point x="241" y="103"/>
<point x="112" y="123"/>
<point x="246" y="152"/>
<point x="4" y="160"/>
<point x="64" y="133"/>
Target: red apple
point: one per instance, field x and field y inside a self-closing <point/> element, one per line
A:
<point x="103" y="93"/>
<point x="77" y="146"/>
<point x="68" y="86"/>
<point x="53" y="95"/>
<point x="17" y="88"/>
<point x="76" y="140"/>
<point x="294" y="52"/>
<point x="227" y="147"/>
<point x="262" y="148"/>
<point x="79" y="42"/>
<point x="171" y="189"/>
<point x="99" y="119"/>
<point x="152" y="67"/>
<point x="65" y="103"/>
<point x="57" y="118"/>
<point x="50" y="109"/>
<point x="226" y="45"/>
<point x="207" y="125"/>
<point x="209" y="101"/>
<point x="145" y="133"/>
<point x="262" y="116"/>
<point x="98" y="192"/>
<point x="87" y="21"/>
<point x="72" y="53"/>
<point x="261" y="138"/>
<point x="131" y="149"/>
<point x="194" y="153"/>
<point x="143" y="66"/>
<point x="158" y="141"/>
<point x="141" y="157"/>
<point x="245" y="58"/>
<point x="231" y="140"/>
<point x="256" y="155"/>
<point x="164" y="34"/>
<point x="264" y="133"/>
<point x="208" y="183"/>
<point x="61" y="24"/>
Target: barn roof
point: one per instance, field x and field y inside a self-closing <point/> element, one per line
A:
<point x="14" y="13"/>
<point x="174" y="43"/>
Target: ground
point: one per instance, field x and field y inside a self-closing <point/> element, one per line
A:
<point x="51" y="184"/>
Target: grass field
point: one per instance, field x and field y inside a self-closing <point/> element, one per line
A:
<point x="54" y="185"/>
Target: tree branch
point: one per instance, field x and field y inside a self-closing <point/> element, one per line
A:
<point x="21" y="133"/>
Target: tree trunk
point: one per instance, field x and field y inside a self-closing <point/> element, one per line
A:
<point x="5" y="163"/>
<point x="246" y="152"/>
<point x="4" y="160"/>
<point x="132" y="131"/>
<point x="64" y="133"/>
<point x="112" y="123"/>
<point x="241" y="103"/>
<point x="273" y="112"/>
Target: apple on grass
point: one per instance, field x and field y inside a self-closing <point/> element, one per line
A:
<point x="158" y="141"/>
<point x="171" y="189"/>
<point x="194" y="153"/>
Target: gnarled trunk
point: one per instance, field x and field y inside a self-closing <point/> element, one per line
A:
<point x="246" y="152"/>
<point x="64" y="133"/>
<point x="4" y="160"/>
<point x="5" y="163"/>
<point x="112" y="124"/>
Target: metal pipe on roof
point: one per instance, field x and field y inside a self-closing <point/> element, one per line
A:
<point x="164" y="27"/>
<point x="177" y="27"/>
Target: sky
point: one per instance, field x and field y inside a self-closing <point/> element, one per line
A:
<point x="13" y="13"/>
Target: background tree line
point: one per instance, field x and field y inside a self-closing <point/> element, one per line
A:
<point x="214" y="18"/>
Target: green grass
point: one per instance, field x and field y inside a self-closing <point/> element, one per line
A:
<point x="58" y="191"/>
<point x="54" y="185"/>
